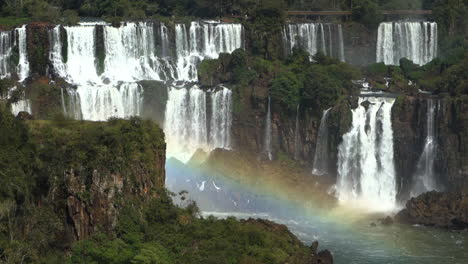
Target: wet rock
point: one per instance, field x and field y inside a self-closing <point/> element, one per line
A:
<point x="373" y="224"/>
<point x="386" y="221"/>
<point x="366" y="105"/>
<point x="314" y="247"/>
<point x="24" y="116"/>
<point x="446" y="210"/>
<point x="325" y="257"/>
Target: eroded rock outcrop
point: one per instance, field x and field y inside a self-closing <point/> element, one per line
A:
<point x="446" y="210"/>
<point x="97" y="168"/>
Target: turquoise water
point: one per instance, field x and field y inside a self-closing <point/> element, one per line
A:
<point x="348" y="234"/>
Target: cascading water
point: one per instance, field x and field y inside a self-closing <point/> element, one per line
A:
<point x="366" y="170"/>
<point x="296" y="135"/>
<point x="221" y="119"/>
<point x="416" y="41"/>
<point x="21" y="106"/>
<point x="321" y="162"/>
<point x="71" y="103"/>
<point x="113" y="94"/>
<point x="23" y="64"/>
<point x="7" y="41"/>
<point x="186" y="121"/>
<point x="204" y="40"/>
<point x="134" y="52"/>
<point x="55" y="55"/>
<point x="314" y="37"/>
<point x="131" y="54"/>
<point x="267" y="144"/>
<point x="425" y="178"/>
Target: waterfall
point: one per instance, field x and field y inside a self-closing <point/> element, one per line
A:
<point x="416" y="41"/>
<point x="100" y="103"/>
<point x="312" y="37"/>
<point x="425" y="178"/>
<point x="55" y="54"/>
<point x="321" y="162"/>
<point x="204" y="40"/>
<point x="23" y="64"/>
<point x="341" y="42"/>
<point x="134" y="52"/>
<point x="71" y="103"/>
<point x="267" y="145"/>
<point x="81" y="62"/>
<point x="221" y="119"/>
<point x="7" y="41"/>
<point x="366" y="170"/>
<point x="186" y="121"/>
<point x="296" y="136"/>
<point x="131" y="53"/>
<point x="21" y="106"/>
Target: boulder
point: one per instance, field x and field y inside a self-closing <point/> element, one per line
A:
<point x="386" y="221"/>
<point x="445" y="210"/>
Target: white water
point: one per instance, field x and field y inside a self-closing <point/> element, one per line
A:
<point x="55" y="55"/>
<point x="267" y="148"/>
<point x="71" y="103"/>
<point x="7" y="42"/>
<point x="425" y="178"/>
<point x="131" y="55"/>
<point x="221" y="119"/>
<point x="416" y="41"/>
<point x="21" y="106"/>
<point x="321" y="162"/>
<point x="201" y="41"/>
<point x="296" y="135"/>
<point x="23" y="65"/>
<point x="186" y="121"/>
<point x="366" y="169"/>
<point x="314" y="37"/>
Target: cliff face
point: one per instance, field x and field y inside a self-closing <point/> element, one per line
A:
<point x="409" y="117"/>
<point x="446" y="210"/>
<point x="360" y="44"/>
<point x="97" y="168"/>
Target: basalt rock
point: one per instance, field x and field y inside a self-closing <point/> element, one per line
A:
<point x="38" y="47"/>
<point x="445" y="210"/>
<point x="98" y="168"/>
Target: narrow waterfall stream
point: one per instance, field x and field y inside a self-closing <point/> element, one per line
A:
<point x="267" y="148"/>
<point x="425" y="178"/>
<point x="321" y="161"/>
<point x="297" y="136"/>
<point x="7" y="42"/>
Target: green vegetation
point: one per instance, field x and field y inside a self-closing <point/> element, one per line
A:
<point x="445" y="75"/>
<point x="163" y="233"/>
<point x="318" y="84"/>
<point x="452" y="14"/>
<point x="35" y="161"/>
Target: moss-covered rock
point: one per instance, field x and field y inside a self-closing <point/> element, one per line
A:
<point x="38" y="46"/>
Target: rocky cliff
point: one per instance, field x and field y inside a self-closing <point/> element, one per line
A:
<point x="93" y="169"/>
<point x="409" y="118"/>
<point x="446" y="210"/>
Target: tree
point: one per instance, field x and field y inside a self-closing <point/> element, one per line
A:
<point x="367" y="12"/>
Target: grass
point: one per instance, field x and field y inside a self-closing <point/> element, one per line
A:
<point x="11" y="22"/>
